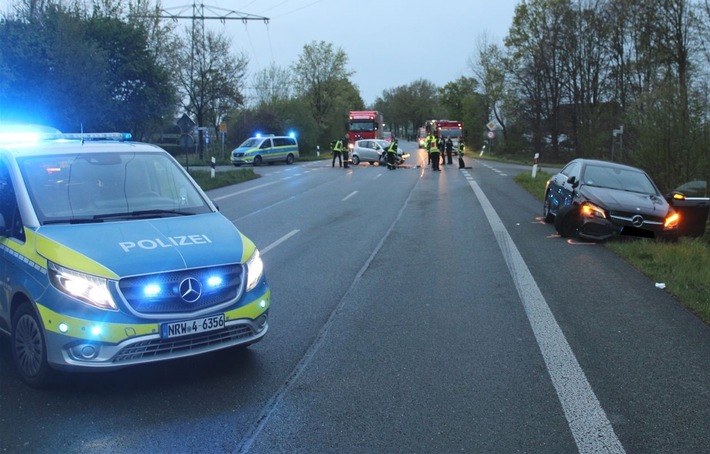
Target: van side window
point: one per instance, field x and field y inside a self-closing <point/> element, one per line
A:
<point x="284" y="141"/>
<point x="9" y="210"/>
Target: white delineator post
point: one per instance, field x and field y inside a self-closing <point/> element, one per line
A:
<point x="534" y="168"/>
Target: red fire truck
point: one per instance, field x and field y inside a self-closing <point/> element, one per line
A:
<point x="364" y="124"/>
<point x="445" y="128"/>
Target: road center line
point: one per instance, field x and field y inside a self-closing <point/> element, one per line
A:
<point x="275" y="401"/>
<point x="279" y="241"/>
<point x="588" y="422"/>
<point x="243" y="191"/>
<point x="349" y="195"/>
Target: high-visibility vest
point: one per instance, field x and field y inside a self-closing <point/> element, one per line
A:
<point x="338" y="145"/>
<point x="433" y="147"/>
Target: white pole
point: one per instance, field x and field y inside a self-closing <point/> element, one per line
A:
<point x="534" y="168"/>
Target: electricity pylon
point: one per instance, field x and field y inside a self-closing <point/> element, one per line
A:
<point x="198" y="14"/>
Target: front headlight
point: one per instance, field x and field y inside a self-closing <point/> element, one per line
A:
<point x="255" y="268"/>
<point x="592" y="211"/>
<point x="89" y="289"/>
<point x="672" y="220"/>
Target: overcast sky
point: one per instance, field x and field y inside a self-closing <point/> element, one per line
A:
<point x="389" y="43"/>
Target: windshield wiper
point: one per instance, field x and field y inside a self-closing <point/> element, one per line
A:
<point x="142" y="213"/>
<point x="73" y="221"/>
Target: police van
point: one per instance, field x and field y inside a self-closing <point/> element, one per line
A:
<point x="112" y="256"/>
<point x="260" y="149"/>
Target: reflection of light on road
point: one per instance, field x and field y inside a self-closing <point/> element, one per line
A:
<point x="571" y="241"/>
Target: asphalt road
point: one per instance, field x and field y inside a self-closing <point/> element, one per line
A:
<point x="412" y="311"/>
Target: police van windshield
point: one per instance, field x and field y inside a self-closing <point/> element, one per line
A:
<point x="251" y="143"/>
<point x="93" y="186"/>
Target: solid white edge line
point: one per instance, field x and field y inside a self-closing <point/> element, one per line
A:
<point x="591" y="429"/>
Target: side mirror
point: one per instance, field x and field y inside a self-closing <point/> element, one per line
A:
<point x="572" y="180"/>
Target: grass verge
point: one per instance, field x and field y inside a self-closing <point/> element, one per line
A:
<point x="684" y="267"/>
<point x="221" y="179"/>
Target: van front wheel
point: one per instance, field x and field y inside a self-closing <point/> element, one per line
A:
<point x="257" y="161"/>
<point x="29" y="350"/>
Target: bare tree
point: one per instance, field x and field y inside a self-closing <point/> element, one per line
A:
<point x="211" y="78"/>
<point x="536" y="42"/>
<point x="489" y="71"/>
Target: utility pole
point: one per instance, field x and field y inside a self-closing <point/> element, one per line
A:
<point x="198" y="14"/>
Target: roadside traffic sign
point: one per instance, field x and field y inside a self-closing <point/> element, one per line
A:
<point x="491" y="126"/>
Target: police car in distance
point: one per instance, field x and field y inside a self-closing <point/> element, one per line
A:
<point x="270" y="148"/>
<point x="112" y="256"/>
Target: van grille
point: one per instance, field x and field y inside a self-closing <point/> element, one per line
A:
<point x="183" y="292"/>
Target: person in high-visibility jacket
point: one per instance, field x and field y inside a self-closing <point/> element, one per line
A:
<point x="434" y="155"/>
<point x="337" y="147"/>
<point x="346" y="152"/>
<point x="462" y="164"/>
<point x="428" y="142"/>
<point x="392" y="155"/>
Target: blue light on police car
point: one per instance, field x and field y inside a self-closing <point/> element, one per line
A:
<point x="63" y="328"/>
<point x="258" y="135"/>
<point x="96" y="330"/>
<point x="19" y="137"/>
<point x="151" y="290"/>
<point x="214" y="281"/>
<point x="292" y="134"/>
<point x="26" y="134"/>
<point x="262" y="304"/>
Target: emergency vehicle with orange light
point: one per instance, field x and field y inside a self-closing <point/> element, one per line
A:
<point x="113" y="256"/>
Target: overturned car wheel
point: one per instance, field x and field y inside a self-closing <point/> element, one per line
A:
<point x="567" y="221"/>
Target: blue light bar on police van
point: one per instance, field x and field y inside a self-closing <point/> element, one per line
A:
<point x="97" y="136"/>
<point x="24" y="133"/>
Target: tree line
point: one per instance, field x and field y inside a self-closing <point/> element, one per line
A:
<point x="624" y="80"/>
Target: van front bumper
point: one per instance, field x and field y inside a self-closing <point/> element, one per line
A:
<point x="144" y="343"/>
